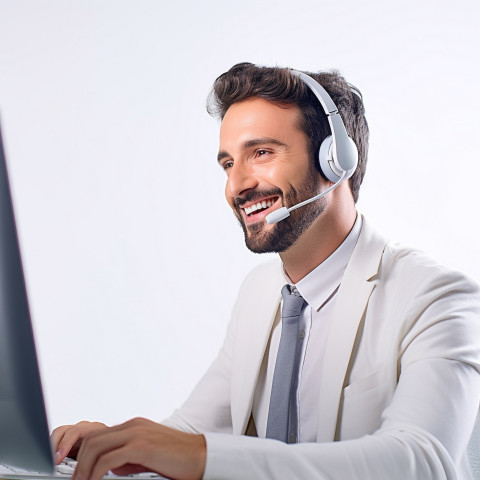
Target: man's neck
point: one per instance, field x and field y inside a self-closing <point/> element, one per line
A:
<point x="315" y="245"/>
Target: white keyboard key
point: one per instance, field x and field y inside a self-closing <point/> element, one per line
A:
<point x="5" y="470"/>
<point x="64" y="469"/>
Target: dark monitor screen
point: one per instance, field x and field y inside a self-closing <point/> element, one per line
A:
<point x="24" y="434"/>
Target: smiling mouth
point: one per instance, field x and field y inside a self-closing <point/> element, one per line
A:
<point x="259" y="207"/>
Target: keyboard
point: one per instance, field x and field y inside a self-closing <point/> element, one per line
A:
<point x="65" y="470"/>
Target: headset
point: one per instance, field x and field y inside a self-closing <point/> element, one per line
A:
<point x="338" y="154"/>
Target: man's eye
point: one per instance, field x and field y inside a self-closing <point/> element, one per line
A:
<point x="227" y="165"/>
<point x="262" y="152"/>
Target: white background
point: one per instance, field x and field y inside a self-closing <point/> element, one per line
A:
<point x="132" y="256"/>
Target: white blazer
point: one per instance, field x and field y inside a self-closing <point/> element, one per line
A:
<point x="399" y="387"/>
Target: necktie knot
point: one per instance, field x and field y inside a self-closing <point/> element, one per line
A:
<point x="292" y="302"/>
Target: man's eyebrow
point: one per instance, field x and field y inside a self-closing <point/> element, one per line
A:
<point x="262" y="141"/>
<point x="252" y="143"/>
<point x="221" y="155"/>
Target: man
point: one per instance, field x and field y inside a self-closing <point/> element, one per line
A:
<point x="384" y="377"/>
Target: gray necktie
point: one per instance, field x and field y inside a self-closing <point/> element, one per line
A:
<point x="282" y="423"/>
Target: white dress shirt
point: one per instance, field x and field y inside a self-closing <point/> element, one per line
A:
<point x="318" y="289"/>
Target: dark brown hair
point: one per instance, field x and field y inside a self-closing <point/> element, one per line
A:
<point x="278" y="85"/>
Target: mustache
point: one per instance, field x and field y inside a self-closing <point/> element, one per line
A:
<point x="256" y="195"/>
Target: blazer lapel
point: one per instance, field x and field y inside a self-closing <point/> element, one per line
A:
<point x="352" y="298"/>
<point x="256" y="318"/>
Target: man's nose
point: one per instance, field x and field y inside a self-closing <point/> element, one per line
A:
<point x="240" y="180"/>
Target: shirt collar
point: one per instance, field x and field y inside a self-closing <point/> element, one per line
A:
<point x="321" y="283"/>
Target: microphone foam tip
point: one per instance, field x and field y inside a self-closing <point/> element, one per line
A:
<point x="277" y="215"/>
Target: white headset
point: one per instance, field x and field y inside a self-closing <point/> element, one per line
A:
<point x="338" y="154"/>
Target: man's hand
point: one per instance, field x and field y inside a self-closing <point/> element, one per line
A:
<point x="66" y="440"/>
<point x="138" y="445"/>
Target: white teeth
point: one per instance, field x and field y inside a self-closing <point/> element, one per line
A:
<point x="258" y="206"/>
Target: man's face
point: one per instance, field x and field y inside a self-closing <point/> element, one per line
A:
<point x="265" y="156"/>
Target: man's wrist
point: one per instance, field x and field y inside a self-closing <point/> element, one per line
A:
<point x="199" y="455"/>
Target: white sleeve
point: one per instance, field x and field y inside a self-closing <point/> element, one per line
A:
<point x="208" y="407"/>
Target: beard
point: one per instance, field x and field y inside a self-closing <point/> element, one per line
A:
<point x="284" y="233"/>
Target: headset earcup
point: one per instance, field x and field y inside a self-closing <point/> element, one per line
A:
<point x="325" y="159"/>
<point x="329" y="167"/>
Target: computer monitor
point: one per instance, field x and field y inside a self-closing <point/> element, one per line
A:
<point x="24" y="434"/>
